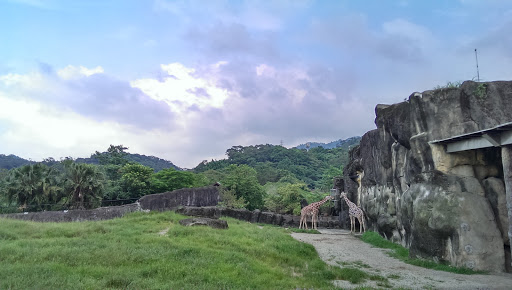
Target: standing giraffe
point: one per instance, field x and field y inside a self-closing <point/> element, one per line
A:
<point x="354" y="212"/>
<point x="312" y="210"/>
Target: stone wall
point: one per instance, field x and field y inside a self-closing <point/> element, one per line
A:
<point x="256" y="216"/>
<point x="102" y="213"/>
<point x="446" y="206"/>
<point x="202" y="196"/>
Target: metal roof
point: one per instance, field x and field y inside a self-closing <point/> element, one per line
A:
<point x="492" y="137"/>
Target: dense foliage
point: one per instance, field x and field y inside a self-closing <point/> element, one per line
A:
<point x="287" y="175"/>
<point x="12" y="161"/>
<point x="315" y="167"/>
<point x="254" y="177"/>
<point x="67" y="184"/>
<point x="157" y="164"/>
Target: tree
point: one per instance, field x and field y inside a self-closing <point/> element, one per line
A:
<point x="4" y="173"/>
<point x="33" y="187"/>
<point x="230" y="200"/>
<point x="111" y="163"/>
<point x="83" y="185"/>
<point x="171" y="179"/>
<point x="243" y="181"/>
<point x="327" y="180"/>
<point x="115" y="155"/>
<point x="286" y="198"/>
<point x="136" y="180"/>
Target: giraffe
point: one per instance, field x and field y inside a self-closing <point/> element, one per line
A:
<point x="354" y="212"/>
<point x="312" y="210"/>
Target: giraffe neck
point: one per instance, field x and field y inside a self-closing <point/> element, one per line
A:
<point x="350" y="204"/>
<point x="316" y="205"/>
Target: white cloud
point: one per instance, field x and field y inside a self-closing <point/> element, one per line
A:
<point x="74" y="72"/>
<point x="182" y="90"/>
<point x="189" y="115"/>
<point x="37" y="130"/>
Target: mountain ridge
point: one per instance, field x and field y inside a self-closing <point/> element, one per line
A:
<point x="334" y="144"/>
<point x="12" y="161"/>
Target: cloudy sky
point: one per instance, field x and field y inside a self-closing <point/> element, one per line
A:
<point x="186" y="80"/>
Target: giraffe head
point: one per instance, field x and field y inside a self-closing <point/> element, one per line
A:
<point x="327" y="198"/>
<point x="343" y="194"/>
<point x="360" y="175"/>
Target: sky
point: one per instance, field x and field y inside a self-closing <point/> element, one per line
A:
<point x="187" y="80"/>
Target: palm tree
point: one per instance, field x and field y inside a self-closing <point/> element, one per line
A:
<point x="83" y="185"/>
<point x="33" y="187"/>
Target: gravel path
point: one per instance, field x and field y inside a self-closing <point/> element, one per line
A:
<point x="338" y="248"/>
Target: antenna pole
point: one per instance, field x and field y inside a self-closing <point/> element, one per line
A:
<point x="477" y="72"/>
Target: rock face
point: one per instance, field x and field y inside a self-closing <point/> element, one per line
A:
<point x="446" y="206"/>
<point x="202" y="196"/>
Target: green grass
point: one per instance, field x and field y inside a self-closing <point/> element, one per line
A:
<point x="401" y="253"/>
<point x="308" y="231"/>
<point x="129" y="252"/>
<point x="449" y="85"/>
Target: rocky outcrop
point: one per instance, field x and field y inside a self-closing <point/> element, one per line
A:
<point x="446" y="206"/>
<point x="202" y="196"/>
<point x="213" y="223"/>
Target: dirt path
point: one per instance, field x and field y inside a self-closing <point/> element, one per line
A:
<point x="338" y="248"/>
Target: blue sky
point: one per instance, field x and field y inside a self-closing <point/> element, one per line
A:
<point x="186" y="80"/>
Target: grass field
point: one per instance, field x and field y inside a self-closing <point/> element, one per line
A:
<point x="130" y="252"/>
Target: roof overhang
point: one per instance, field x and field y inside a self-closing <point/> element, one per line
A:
<point x="493" y="137"/>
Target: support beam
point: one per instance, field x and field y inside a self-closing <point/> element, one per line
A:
<point x="468" y="144"/>
<point x="506" y="155"/>
<point x="494" y="139"/>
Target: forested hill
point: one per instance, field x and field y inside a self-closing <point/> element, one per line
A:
<point x="347" y="143"/>
<point x="316" y="167"/>
<point x="13" y="161"/>
<point x="151" y="161"/>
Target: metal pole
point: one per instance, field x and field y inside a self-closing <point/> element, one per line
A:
<point x="477" y="72"/>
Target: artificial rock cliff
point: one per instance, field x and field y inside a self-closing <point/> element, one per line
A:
<point x="447" y="206"/>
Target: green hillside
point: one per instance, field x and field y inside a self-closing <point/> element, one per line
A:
<point x="13" y="161"/>
<point x="153" y="251"/>
<point x="315" y="167"/>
